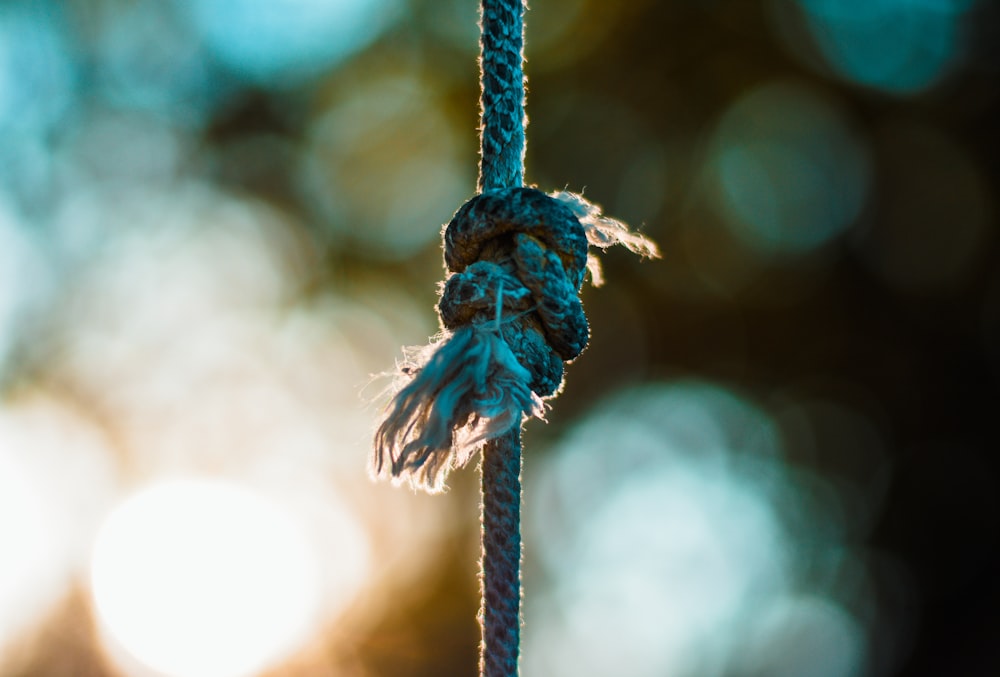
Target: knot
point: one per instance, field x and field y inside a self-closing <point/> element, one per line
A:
<point x="520" y="255"/>
<point x="511" y="315"/>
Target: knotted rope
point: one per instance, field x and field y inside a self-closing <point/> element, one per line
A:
<point x="517" y="258"/>
<point x="511" y="317"/>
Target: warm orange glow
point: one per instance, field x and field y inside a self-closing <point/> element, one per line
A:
<point x="204" y="579"/>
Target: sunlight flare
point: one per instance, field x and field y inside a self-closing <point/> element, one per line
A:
<point x="199" y="578"/>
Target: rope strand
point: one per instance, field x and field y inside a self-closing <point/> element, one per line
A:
<point x="511" y="317"/>
<point x="502" y="101"/>
<point x="501" y="166"/>
<point x="500" y="564"/>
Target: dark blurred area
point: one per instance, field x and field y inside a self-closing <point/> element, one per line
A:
<point x="220" y="218"/>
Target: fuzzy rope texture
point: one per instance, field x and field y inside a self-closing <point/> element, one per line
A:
<point x="511" y="316"/>
<point x="502" y="121"/>
<point x="500" y="563"/>
<point x="485" y="394"/>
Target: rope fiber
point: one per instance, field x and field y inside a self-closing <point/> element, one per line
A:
<point x="511" y="316"/>
<point x="502" y="101"/>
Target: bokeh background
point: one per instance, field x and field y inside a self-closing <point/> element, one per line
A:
<point x="219" y="223"/>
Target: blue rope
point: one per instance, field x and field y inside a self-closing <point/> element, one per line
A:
<point x="500" y="559"/>
<point x="512" y="315"/>
<point x="501" y="166"/>
<point x="502" y="100"/>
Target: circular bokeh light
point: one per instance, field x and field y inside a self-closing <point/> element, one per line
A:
<point x="786" y="170"/>
<point x="200" y="578"/>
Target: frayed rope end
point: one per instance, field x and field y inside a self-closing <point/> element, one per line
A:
<point x="603" y="232"/>
<point x="470" y="389"/>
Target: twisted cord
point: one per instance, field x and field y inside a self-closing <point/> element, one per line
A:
<point x="501" y="77"/>
<point x="500" y="565"/>
<point x="511" y="316"/>
<point x="519" y="250"/>
<point x="517" y="259"/>
<point x="501" y="166"/>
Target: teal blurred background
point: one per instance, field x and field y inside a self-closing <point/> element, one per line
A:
<point x="220" y="221"/>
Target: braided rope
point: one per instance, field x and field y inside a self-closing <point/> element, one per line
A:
<point x="511" y="317"/>
<point x="502" y="101"/>
<point x="500" y="559"/>
<point x="524" y="254"/>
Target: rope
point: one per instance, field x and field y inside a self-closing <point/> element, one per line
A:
<point x="511" y="317"/>
<point x="525" y="253"/>
<point x="517" y="259"/>
<point x="502" y="100"/>
<point x="500" y="559"/>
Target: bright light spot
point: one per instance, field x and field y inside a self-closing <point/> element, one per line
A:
<point x="673" y="536"/>
<point x="277" y="39"/>
<point x="55" y="477"/>
<point x="804" y="635"/>
<point x="789" y="173"/>
<point x="26" y="542"/>
<point x="180" y="329"/>
<point x="899" y="46"/>
<point x="194" y="264"/>
<point x="382" y="164"/>
<point x="204" y="579"/>
<point x="660" y="532"/>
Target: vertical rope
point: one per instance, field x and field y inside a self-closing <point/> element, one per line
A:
<point x="500" y="584"/>
<point x="510" y="306"/>
<point x="501" y="166"/>
<point x="502" y="100"/>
